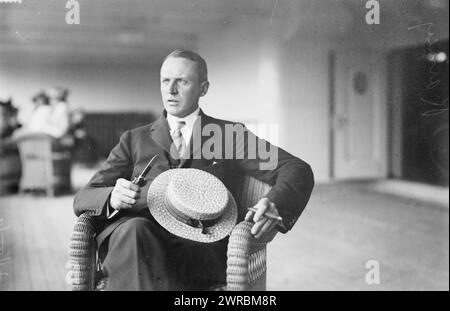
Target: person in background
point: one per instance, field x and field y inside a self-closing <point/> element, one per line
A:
<point x="52" y="114"/>
<point x="8" y="119"/>
<point x="10" y="165"/>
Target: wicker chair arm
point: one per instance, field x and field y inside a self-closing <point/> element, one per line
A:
<point x="246" y="260"/>
<point x="83" y="254"/>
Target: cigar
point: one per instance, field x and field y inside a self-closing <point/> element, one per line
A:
<point x="267" y="214"/>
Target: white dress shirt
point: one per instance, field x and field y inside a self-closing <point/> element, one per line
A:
<point x="186" y="130"/>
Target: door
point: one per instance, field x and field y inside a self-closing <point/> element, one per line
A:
<point x="359" y="118"/>
<point x="424" y="113"/>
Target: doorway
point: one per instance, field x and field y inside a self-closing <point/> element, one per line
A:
<point x="357" y="115"/>
<point x="418" y="120"/>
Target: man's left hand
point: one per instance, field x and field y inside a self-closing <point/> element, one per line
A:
<point x="263" y="226"/>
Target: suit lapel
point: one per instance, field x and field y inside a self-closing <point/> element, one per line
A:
<point x="160" y="132"/>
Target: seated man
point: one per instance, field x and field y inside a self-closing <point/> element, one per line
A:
<point x="136" y="252"/>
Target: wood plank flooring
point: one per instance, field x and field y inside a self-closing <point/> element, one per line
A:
<point x="344" y="226"/>
<point x="36" y="239"/>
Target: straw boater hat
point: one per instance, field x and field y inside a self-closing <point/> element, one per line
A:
<point x="192" y="204"/>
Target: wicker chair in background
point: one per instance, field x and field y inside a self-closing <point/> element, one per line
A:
<point x="246" y="263"/>
<point x="46" y="165"/>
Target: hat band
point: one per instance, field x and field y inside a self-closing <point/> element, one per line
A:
<point x="195" y="223"/>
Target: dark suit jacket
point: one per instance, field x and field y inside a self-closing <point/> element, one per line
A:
<point x="292" y="178"/>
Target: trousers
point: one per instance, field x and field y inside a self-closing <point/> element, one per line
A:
<point x="141" y="255"/>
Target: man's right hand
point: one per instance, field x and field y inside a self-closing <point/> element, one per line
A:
<point x="124" y="194"/>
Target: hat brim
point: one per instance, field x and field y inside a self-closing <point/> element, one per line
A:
<point x="156" y="204"/>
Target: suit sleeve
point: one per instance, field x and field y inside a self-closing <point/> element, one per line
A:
<point x="291" y="178"/>
<point x="94" y="196"/>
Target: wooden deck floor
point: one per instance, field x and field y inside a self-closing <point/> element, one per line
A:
<point x="343" y="227"/>
<point x="36" y="233"/>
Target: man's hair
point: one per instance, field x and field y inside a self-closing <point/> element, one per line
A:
<point x="202" y="70"/>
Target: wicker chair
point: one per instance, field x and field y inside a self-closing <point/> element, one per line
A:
<point x="46" y="164"/>
<point x="246" y="263"/>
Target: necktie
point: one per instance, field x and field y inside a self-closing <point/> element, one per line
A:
<point x="178" y="147"/>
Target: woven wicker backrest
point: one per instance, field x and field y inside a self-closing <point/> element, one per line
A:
<point x="43" y="167"/>
<point x="37" y="169"/>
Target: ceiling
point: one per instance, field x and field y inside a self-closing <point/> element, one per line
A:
<point x="134" y="28"/>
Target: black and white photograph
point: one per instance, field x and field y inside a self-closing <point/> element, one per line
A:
<point x="224" y="146"/>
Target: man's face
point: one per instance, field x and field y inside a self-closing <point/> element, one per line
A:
<point x="180" y="86"/>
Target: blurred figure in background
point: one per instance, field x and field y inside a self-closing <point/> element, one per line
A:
<point x="77" y="128"/>
<point x="51" y="114"/>
<point x="8" y="119"/>
<point x="46" y="142"/>
<point x="10" y="166"/>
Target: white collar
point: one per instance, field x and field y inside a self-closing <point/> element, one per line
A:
<point x="189" y="119"/>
